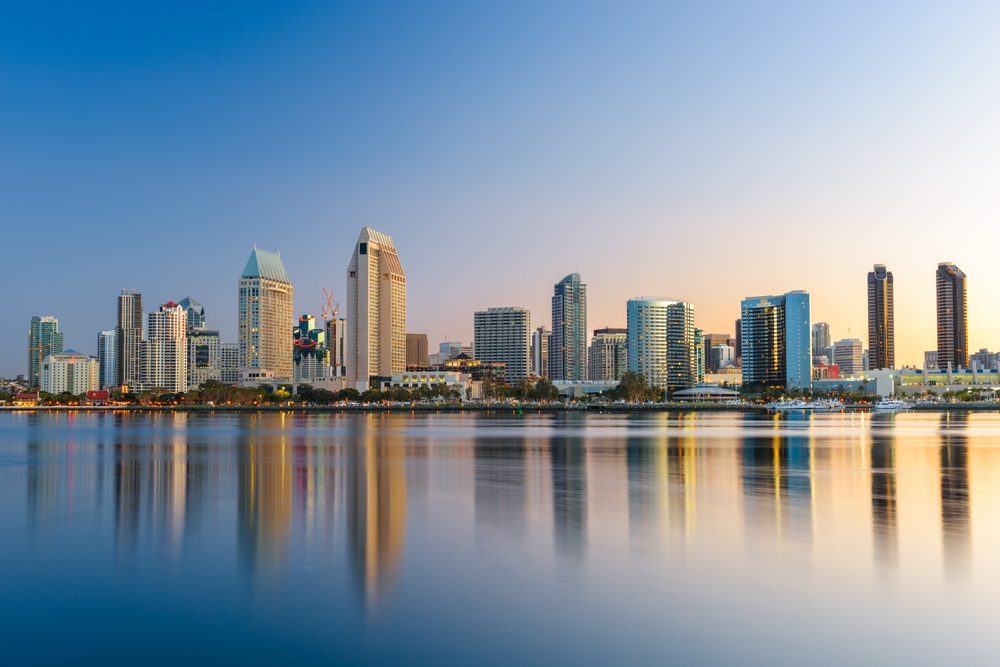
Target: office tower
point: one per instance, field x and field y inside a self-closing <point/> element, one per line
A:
<point x="568" y="344"/>
<point x="661" y="342"/>
<point x="416" y="351"/>
<point x="44" y="338"/>
<point x="848" y="354"/>
<point x="195" y="313"/>
<point x="107" y="358"/>
<point x="821" y="337"/>
<point x="699" y="356"/>
<point x="504" y="334"/>
<point x="336" y="330"/>
<point x="128" y="332"/>
<point x="69" y="372"/>
<point x="311" y="356"/>
<point x="265" y="313"/>
<point x="163" y="355"/>
<point x="204" y="355"/>
<point x="775" y="339"/>
<point x="376" y="310"/>
<point x="952" y="317"/>
<point x="540" y="340"/>
<point x="229" y="363"/>
<point x="710" y="341"/>
<point x="607" y="359"/>
<point x="881" y="319"/>
<point x="739" y="342"/>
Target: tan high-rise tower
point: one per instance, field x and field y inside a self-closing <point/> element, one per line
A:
<point x="881" y="319"/>
<point x="375" y="309"/>
<point x="952" y="317"/>
<point x="265" y="317"/>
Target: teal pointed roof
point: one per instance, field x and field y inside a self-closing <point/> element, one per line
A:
<point x="264" y="264"/>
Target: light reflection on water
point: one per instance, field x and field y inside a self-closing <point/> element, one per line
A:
<point x="702" y="538"/>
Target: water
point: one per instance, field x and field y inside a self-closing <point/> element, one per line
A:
<point x="688" y="539"/>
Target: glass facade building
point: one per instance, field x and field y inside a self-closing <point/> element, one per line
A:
<point x="44" y="338"/>
<point x="568" y="343"/>
<point x="776" y="341"/>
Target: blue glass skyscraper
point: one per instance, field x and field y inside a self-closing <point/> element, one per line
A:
<point x="776" y="341"/>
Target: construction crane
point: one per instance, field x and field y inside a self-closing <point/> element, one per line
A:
<point x="329" y="309"/>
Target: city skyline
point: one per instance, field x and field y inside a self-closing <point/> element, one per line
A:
<point x="264" y="131"/>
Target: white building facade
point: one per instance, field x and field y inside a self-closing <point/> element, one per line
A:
<point x="69" y="372"/>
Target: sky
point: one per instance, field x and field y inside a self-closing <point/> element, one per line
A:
<point x="699" y="151"/>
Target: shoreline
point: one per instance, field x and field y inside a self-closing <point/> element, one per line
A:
<point x="486" y="408"/>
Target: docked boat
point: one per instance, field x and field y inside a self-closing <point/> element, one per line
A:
<point x="827" y="405"/>
<point x="794" y="405"/>
<point x="891" y="405"/>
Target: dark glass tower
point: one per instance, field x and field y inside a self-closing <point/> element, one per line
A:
<point x="881" y="320"/>
<point x="952" y="317"/>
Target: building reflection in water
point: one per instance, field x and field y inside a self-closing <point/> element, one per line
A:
<point x="376" y="503"/>
<point x="264" y="495"/>
<point x="500" y="480"/>
<point x="885" y="526"/>
<point x="954" y="477"/>
<point x="568" y="466"/>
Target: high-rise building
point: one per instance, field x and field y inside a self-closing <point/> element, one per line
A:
<point x="417" y="354"/>
<point x="336" y="331"/>
<point x="607" y="359"/>
<point x="984" y="360"/>
<point x="195" y="313"/>
<point x="44" y="338"/>
<point x="504" y="334"/>
<point x="739" y="342"/>
<point x="722" y="356"/>
<point x="776" y="341"/>
<point x="376" y="310"/>
<point x="265" y="313"/>
<point x="881" y="319"/>
<point x="128" y="332"/>
<point x="821" y="339"/>
<point x="163" y="355"/>
<point x="699" y="356"/>
<point x="229" y="363"/>
<point x="952" y="317"/>
<point x="107" y="358"/>
<point x="70" y="372"/>
<point x="568" y="344"/>
<point x="713" y="340"/>
<point x="661" y="342"/>
<point x="540" y="339"/>
<point x="311" y="356"/>
<point x="848" y="355"/>
<point x="204" y="356"/>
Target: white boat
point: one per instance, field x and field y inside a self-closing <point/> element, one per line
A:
<point x="794" y="405"/>
<point x="827" y="405"/>
<point x="891" y="404"/>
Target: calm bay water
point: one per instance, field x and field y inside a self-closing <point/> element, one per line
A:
<point x="688" y="539"/>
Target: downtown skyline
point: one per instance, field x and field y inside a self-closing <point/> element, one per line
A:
<point x="759" y="128"/>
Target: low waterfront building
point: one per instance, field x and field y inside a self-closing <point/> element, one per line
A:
<point x="70" y="372"/>
<point x="581" y="388"/>
<point x="706" y="393"/>
<point x="463" y="384"/>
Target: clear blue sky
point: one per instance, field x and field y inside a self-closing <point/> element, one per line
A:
<point x="705" y="151"/>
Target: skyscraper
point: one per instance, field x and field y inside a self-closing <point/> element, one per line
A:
<point x="710" y="341"/>
<point x="44" y="338"/>
<point x="661" y="342"/>
<point x="952" y="317"/>
<point x="195" y="313"/>
<point x="376" y="310"/>
<point x="163" y="354"/>
<point x="204" y="355"/>
<point x="128" y="333"/>
<point x="503" y="334"/>
<point x="881" y="319"/>
<point x="776" y="341"/>
<point x="107" y="359"/>
<point x="821" y="337"/>
<point x="540" y="339"/>
<point x="265" y="314"/>
<point x="608" y="355"/>
<point x="417" y="354"/>
<point x="568" y="345"/>
<point x="848" y="354"/>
